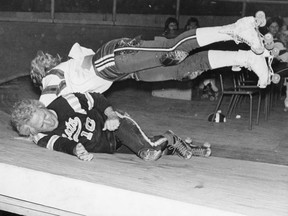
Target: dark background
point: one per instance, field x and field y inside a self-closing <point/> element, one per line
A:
<point x="187" y="7"/>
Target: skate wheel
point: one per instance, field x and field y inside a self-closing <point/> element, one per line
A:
<point x="260" y="18"/>
<point x="275" y="52"/>
<point x="268" y="41"/>
<point x="276" y="78"/>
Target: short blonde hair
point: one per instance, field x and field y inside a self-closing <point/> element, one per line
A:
<point x="22" y="113"/>
<point x="42" y="63"/>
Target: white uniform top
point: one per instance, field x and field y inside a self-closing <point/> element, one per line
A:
<point x="79" y="76"/>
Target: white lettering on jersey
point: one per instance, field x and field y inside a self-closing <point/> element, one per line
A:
<point x="74" y="129"/>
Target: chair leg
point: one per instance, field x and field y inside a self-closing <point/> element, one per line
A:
<point x="259" y="107"/>
<point x="267" y="103"/>
<point x="250" y="112"/>
<point x="234" y="104"/>
<point x="217" y="107"/>
<point x="231" y="106"/>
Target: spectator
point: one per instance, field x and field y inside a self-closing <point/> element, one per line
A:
<point x="171" y="28"/>
<point x="192" y="23"/>
<point x="274" y="26"/>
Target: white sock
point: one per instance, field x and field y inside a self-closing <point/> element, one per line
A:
<point x="210" y="35"/>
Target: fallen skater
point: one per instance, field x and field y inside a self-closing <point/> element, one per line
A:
<point x="82" y="124"/>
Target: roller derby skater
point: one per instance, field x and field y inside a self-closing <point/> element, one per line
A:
<point x="150" y="61"/>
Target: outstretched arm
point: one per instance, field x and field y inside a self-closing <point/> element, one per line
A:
<point x="62" y="144"/>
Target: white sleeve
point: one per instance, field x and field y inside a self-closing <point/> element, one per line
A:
<point x="51" y="89"/>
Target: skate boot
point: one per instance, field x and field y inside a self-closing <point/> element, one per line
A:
<point x="173" y="57"/>
<point x="150" y="154"/>
<point x="258" y="65"/>
<point x="178" y="146"/>
<point x="200" y="151"/>
<point x="246" y="30"/>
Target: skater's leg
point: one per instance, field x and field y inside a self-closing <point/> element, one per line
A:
<point x="196" y="64"/>
<point x="243" y="30"/>
<point x="149" y="149"/>
<point x="190" y="68"/>
<point x="131" y="135"/>
<point x="247" y="59"/>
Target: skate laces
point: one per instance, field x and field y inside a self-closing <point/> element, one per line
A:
<point x="245" y="31"/>
<point x="243" y="38"/>
<point x="181" y="148"/>
<point x="269" y="55"/>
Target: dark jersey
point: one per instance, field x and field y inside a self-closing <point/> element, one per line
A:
<point x="81" y="120"/>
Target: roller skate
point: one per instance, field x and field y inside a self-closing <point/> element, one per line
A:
<point x="148" y="154"/>
<point x="178" y="146"/>
<point x="259" y="65"/>
<point x="246" y="30"/>
<point x="199" y="150"/>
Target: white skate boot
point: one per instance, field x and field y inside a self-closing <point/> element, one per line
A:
<point x="246" y="30"/>
<point x="257" y="64"/>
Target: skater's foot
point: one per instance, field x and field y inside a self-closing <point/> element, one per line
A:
<point x="150" y="154"/>
<point x="258" y="65"/>
<point x="178" y="146"/>
<point x="246" y="30"/>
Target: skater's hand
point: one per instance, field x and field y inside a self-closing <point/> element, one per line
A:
<point x="112" y="123"/>
<point x="82" y="153"/>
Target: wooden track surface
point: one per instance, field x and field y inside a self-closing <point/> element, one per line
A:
<point x="243" y="187"/>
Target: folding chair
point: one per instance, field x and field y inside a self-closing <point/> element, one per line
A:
<point x="236" y="91"/>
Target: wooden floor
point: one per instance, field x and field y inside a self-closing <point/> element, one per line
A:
<point x="246" y="174"/>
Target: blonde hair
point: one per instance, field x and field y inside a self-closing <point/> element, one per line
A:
<point x="22" y="113"/>
<point x="42" y="63"/>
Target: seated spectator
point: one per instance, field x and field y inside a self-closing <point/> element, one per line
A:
<point x="171" y="28"/>
<point x="280" y="62"/>
<point x="192" y="23"/>
<point x="274" y="25"/>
